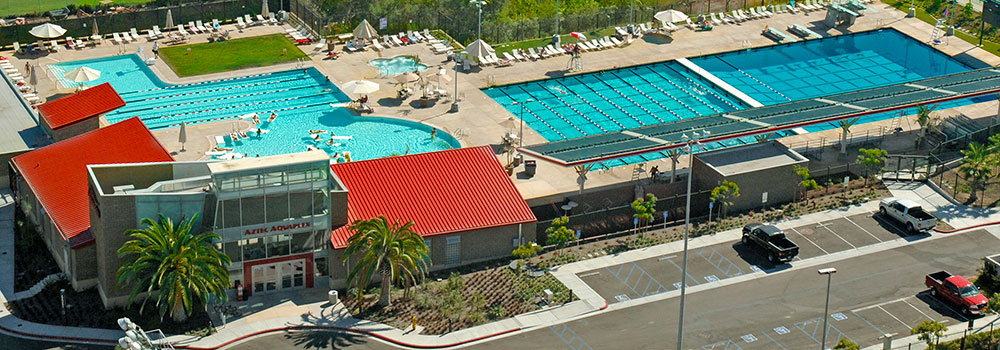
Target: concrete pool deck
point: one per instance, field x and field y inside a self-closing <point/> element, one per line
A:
<point x="479" y="120"/>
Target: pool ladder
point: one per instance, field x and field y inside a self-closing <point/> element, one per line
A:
<point x="299" y="63"/>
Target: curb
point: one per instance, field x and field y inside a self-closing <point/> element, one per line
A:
<point x="967" y="227"/>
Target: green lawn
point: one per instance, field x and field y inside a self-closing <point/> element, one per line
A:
<point x="20" y="7"/>
<point x="989" y="46"/>
<point x="230" y="55"/>
<point x="568" y="39"/>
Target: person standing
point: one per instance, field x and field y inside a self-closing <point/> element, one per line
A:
<point x="156" y="49"/>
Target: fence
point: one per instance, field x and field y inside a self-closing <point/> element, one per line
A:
<point x="873" y="136"/>
<point x="145" y="18"/>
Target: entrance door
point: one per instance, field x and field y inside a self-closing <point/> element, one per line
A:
<point x="280" y="275"/>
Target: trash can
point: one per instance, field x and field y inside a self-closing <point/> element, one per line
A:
<point x="334" y="297"/>
<point x="518" y="159"/>
<point x="529" y="168"/>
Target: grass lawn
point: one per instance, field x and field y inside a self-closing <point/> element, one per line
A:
<point x="20" y="7"/>
<point x="568" y="39"/>
<point x="230" y="55"/>
<point x="989" y="46"/>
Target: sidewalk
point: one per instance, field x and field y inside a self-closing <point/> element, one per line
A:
<point x="930" y="197"/>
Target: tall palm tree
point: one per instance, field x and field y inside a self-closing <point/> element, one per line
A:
<point x="927" y="124"/>
<point x="391" y="250"/>
<point x="177" y="266"/>
<point x="977" y="168"/>
<point x="845" y="127"/>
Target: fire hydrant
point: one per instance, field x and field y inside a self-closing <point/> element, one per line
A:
<point x="414" y="323"/>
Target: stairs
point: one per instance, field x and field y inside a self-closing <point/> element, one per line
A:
<point x="938" y="31"/>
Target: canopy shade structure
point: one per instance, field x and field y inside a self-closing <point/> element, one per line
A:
<point x="47" y="31"/>
<point x="670" y="16"/>
<point x="170" y="19"/>
<point x="479" y="48"/>
<point x="761" y="120"/>
<point x="358" y="87"/>
<point x="407" y="77"/>
<point x="365" y="30"/>
<point x="82" y="74"/>
<point x="264" y="11"/>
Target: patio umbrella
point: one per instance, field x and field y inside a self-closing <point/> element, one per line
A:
<point x="47" y="31"/>
<point x="365" y="30"/>
<point x="183" y="137"/>
<point x="510" y="123"/>
<point x="670" y="16"/>
<point x="33" y="80"/>
<point x="407" y="77"/>
<point x="579" y="36"/>
<point x="439" y="78"/>
<point x="96" y="32"/>
<point x="264" y="10"/>
<point x="83" y="74"/>
<point x="359" y="87"/>
<point x="170" y="19"/>
<point x="479" y="48"/>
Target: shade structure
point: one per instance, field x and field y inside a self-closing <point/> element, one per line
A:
<point x="264" y="10"/>
<point x="365" y="30"/>
<point x="479" y="48"/>
<point x="82" y="74"/>
<point x="360" y="87"/>
<point x="437" y="78"/>
<point x="670" y="16"/>
<point x="579" y="36"/>
<point x="47" y="31"/>
<point x="183" y="136"/>
<point x="170" y="19"/>
<point x="407" y="77"/>
<point x="95" y="31"/>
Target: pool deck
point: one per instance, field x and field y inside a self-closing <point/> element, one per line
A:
<point x="479" y="119"/>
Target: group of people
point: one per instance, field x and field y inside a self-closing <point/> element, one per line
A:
<point x="362" y="104"/>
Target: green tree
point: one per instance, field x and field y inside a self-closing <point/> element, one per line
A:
<point x="977" y="168"/>
<point x="178" y="267"/>
<point x="872" y="160"/>
<point x="845" y="127"/>
<point x="526" y="251"/>
<point x="929" y="329"/>
<point x="846" y="344"/>
<point x="644" y="209"/>
<point x="675" y="155"/>
<point x="391" y="250"/>
<point x="722" y="195"/>
<point x="926" y="122"/>
<point x="807" y="182"/>
<point x="558" y="234"/>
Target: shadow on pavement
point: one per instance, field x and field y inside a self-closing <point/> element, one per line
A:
<point x="326" y="339"/>
<point x="940" y="306"/>
<point x="753" y="256"/>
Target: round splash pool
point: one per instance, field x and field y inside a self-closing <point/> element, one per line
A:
<point x="397" y="65"/>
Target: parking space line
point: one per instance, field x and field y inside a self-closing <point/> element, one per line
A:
<point x="918" y="310"/>
<point x="724" y="345"/>
<point x="642" y="273"/>
<point x="774" y="341"/>
<point x="878" y="305"/>
<point x="810" y="241"/>
<point x="894" y="317"/>
<point x="573" y="337"/>
<point x="868" y="322"/>
<point x="680" y="269"/>
<point x="722" y="260"/>
<point x="819" y="324"/>
<point x="862" y="228"/>
<point x="823" y="225"/>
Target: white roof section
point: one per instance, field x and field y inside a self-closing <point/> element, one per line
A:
<point x="270" y="161"/>
<point x="752" y="157"/>
<point x="20" y="131"/>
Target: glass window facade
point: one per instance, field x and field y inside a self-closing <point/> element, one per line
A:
<point x="171" y="206"/>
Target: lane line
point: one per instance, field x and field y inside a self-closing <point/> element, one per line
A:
<point x="879" y="304"/>
<point x="680" y="269"/>
<point x="810" y="241"/>
<point x="894" y="317"/>
<point x="863" y="229"/>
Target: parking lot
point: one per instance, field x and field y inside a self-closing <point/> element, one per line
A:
<point x="717" y="262"/>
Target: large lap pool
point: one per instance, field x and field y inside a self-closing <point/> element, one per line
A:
<point x="624" y="98"/>
<point x="301" y="99"/>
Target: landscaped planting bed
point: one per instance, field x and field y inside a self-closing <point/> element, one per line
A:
<point x="32" y="260"/>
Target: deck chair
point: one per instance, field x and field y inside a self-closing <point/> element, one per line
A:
<point x="714" y="20"/>
<point x="764" y="11"/>
<point x="321" y="45"/>
<point x="754" y="14"/>
<point x="271" y="18"/>
<point x="118" y="38"/>
<point x="79" y="44"/>
<point x="156" y="30"/>
<point x="377" y="45"/>
<point x="508" y="56"/>
<point x="518" y="55"/>
<point x="240" y="23"/>
<point x="150" y="34"/>
<point x="17" y="47"/>
<point x="395" y="39"/>
<point x="126" y="37"/>
<point x="54" y="46"/>
<point x="215" y="24"/>
<point x="261" y="19"/>
<point x="427" y="34"/>
<point x="70" y="43"/>
<point x="135" y="33"/>
<point x="180" y="29"/>
<point x="200" y="26"/>
<point x="246" y="18"/>
<point x="193" y="29"/>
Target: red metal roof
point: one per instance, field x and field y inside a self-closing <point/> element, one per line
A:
<point x="57" y="173"/>
<point x="441" y="192"/>
<point x="81" y="105"/>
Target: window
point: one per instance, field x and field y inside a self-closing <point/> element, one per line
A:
<point x="320" y="201"/>
<point x="252" y="210"/>
<point x="517" y="242"/>
<point x="300" y="205"/>
<point x="453" y="251"/>
<point x="278" y="245"/>
<point x="232" y="249"/>
<point x="302" y="242"/>
<point x="253" y="249"/>
<point x="277" y="207"/>
<point x="322" y="269"/>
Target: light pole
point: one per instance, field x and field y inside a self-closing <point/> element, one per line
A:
<point x="479" y="28"/>
<point x="829" y="271"/>
<point x="137" y="339"/>
<point x="687" y="226"/>
<point x="520" y="134"/>
<point x="557" y="18"/>
<point x="631" y="12"/>
<point x="454" y="103"/>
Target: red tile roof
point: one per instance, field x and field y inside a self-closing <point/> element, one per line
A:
<point x="57" y="173"/>
<point x="441" y="192"/>
<point x="79" y="106"/>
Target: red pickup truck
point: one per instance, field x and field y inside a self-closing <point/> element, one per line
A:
<point x="957" y="291"/>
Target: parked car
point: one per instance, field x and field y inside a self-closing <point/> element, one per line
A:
<point x="957" y="291"/>
<point x="770" y="238"/>
<point x="908" y="213"/>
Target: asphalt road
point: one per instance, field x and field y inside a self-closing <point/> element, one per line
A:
<point x="14" y="343"/>
<point x="871" y="295"/>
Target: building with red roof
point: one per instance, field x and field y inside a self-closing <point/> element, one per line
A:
<point x="461" y="201"/>
<point x="80" y="112"/>
<point x="51" y="187"/>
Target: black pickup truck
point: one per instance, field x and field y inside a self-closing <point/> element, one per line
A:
<point x="778" y="247"/>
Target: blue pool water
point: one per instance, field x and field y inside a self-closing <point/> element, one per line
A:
<point x="397" y="65"/>
<point x="301" y="98"/>
<point x="595" y="103"/>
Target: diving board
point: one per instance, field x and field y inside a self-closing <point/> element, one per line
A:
<point x="718" y="82"/>
<point x="777" y="35"/>
<point x="844" y="9"/>
<point x="802" y="31"/>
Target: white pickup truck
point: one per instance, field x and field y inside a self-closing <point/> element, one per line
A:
<point x="908" y="213"/>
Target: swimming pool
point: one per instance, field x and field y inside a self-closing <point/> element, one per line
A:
<point x="623" y="98"/>
<point x="397" y="65"/>
<point x="301" y="98"/>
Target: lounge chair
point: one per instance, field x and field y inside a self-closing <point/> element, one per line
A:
<point x="79" y="44"/>
<point x="240" y="23"/>
<point x="69" y="42"/>
<point x="691" y="24"/>
<point x="271" y="18"/>
<point x="615" y="41"/>
<point x="744" y="14"/>
<point x="791" y="8"/>
<point x="201" y="26"/>
<point x="754" y="14"/>
<point x="156" y="30"/>
<point x="715" y="20"/>
<point x="395" y="39"/>
<point x="518" y="55"/>
<point x="190" y="26"/>
<point x="621" y="31"/>
<point x="150" y="34"/>
<point x="420" y="38"/>
<point x="378" y="47"/>
<point x="118" y="38"/>
<point x="246" y="18"/>
<point x="261" y="19"/>
<point x="180" y="29"/>
<point x="427" y="34"/>
<point x="321" y="45"/>
<point x="134" y="33"/>
<point x="215" y="24"/>
<point x="126" y="37"/>
<point x="598" y="44"/>
<point x="17" y="47"/>
<point x="532" y="54"/>
<point x="508" y="56"/>
<point x="764" y="11"/>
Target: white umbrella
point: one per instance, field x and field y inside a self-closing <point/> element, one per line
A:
<point x="365" y="30"/>
<point x="479" y="48"/>
<point x="47" y="31"/>
<point x="359" y="87"/>
<point x="407" y="77"/>
<point x="670" y="16"/>
<point x="83" y="74"/>
<point x="33" y="80"/>
<point x="95" y="27"/>
<point x="170" y="19"/>
<point x="183" y="137"/>
<point x="263" y="9"/>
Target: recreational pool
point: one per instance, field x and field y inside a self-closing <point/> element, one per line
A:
<point x="302" y="99"/>
<point x="623" y="98"/>
<point x="397" y="65"/>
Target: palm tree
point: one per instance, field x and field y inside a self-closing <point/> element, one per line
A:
<point x="845" y="126"/>
<point x="977" y="168"/>
<point x="927" y="124"/>
<point x="391" y="250"/>
<point x="177" y="266"/>
<point x="675" y="155"/>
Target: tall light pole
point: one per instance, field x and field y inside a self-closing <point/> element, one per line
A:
<point x="520" y="134"/>
<point x="557" y="18"/>
<point x="691" y="142"/>
<point x="479" y="28"/>
<point x="631" y="12"/>
<point x="829" y="271"/>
